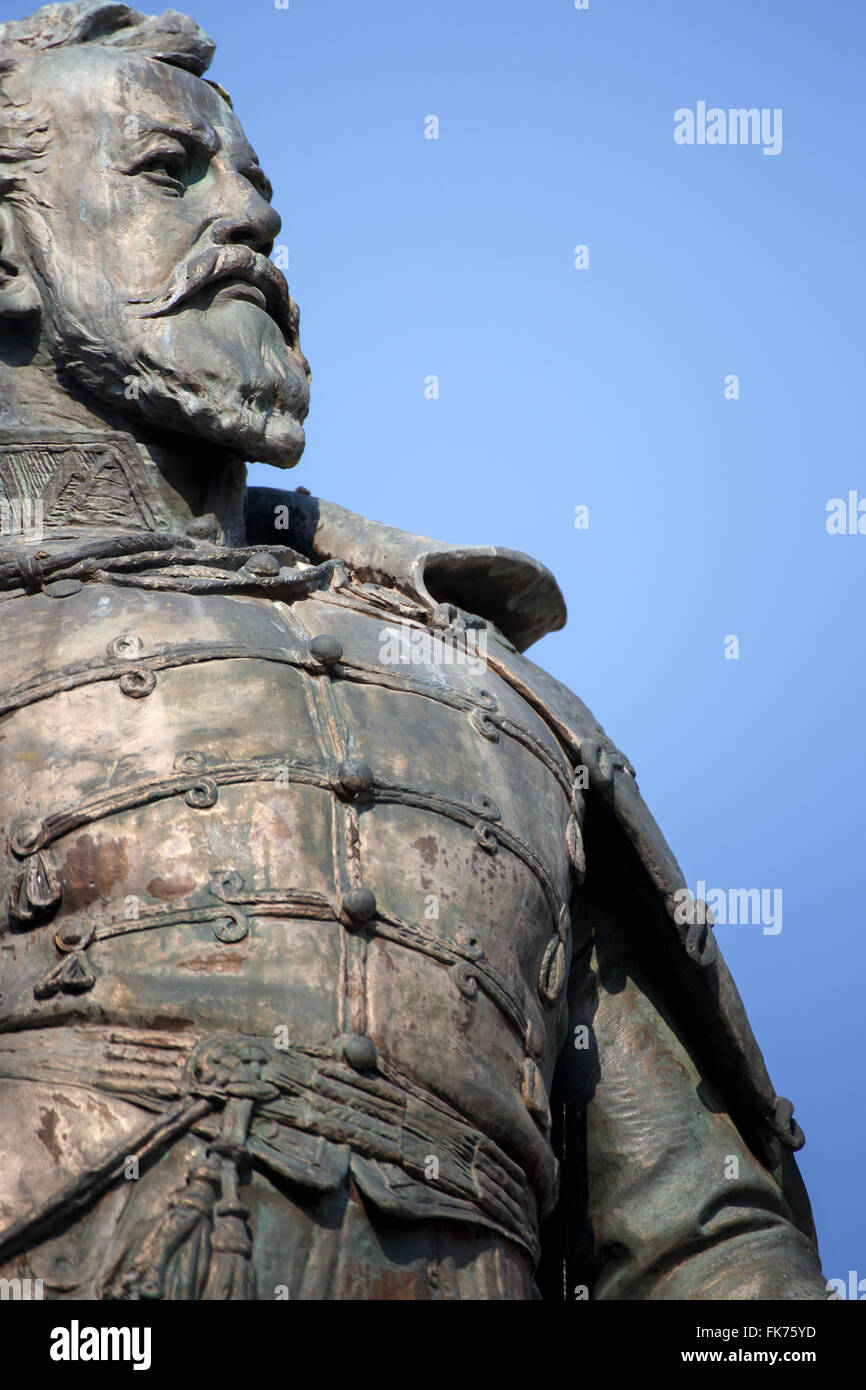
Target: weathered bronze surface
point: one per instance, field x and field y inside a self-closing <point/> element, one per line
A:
<point x="339" y="955"/>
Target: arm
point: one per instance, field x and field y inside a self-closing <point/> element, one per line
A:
<point x="663" y="1197"/>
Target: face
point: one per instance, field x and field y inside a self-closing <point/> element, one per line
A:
<point x="148" y="237"/>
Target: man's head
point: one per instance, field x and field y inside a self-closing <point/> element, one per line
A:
<point x="135" y="227"/>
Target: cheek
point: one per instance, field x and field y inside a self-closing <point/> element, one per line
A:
<point x="83" y="263"/>
<point x="129" y="236"/>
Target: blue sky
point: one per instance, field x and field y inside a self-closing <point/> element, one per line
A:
<point x="605" y="387"/>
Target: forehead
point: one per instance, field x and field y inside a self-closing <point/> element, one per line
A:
<point x="94" y="92"/>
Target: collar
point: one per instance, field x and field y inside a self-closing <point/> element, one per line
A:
<point x="87" y="478"/>
<point x="505" y="587"/>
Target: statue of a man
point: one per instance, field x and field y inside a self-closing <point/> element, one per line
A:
<point x="340" y="956"/>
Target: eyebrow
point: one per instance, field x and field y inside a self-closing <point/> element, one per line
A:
<point x="199" y="131"/>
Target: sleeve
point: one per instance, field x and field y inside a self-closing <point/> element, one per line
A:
<point x="662" y="1195"/>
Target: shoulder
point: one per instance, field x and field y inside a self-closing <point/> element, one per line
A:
<point x="511" y="590"/>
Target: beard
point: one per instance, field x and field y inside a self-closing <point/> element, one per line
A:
<point x="222" y="371"/>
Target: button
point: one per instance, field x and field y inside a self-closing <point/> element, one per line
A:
<point x="534" y="1094"/>
<point x="73" y="936"/>
<point x="64" y="588"/>
<point x="532" y="1042"/>
<point x="326" y="649"/>
<point x="125" y="647"/>
<point x="359" y="904"/>
<point x="356" y="777"/>
<point x="563" y="924"/>
<point x="486" y="806"/>
<point x="203" y="528"/>
<point x="24" y="840"/>
<point x="263" y="564"/>
<point x="360" y="1053"/>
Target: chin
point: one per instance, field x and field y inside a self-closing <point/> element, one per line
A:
<point x="255" y="432"/>
<point x="278" y="442"/>
<point x="242" y="390"/>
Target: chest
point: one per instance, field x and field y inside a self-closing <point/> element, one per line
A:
<point x="172" y="757"/>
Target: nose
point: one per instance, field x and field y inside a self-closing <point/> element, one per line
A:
<point x="254" y="224"/>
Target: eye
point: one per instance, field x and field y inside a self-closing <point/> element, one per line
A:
<point x="167" y="168"/>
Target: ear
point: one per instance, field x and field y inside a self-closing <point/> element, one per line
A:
<point x="19" y="293"/>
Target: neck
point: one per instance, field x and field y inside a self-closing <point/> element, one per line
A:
<point x="95" y="470"/>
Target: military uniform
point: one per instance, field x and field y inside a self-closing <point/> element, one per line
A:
<point x="309" y="914"/>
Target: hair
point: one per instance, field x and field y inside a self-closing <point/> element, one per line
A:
<point x="24" y="130"/>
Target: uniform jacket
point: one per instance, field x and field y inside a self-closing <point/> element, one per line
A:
<point x="230" y="809"/>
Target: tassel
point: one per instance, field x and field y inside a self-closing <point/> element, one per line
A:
<point x="36" y="892"/>
<point x="172" y="1259"/>
<point x="201" y="1248"/>
<point x="231" y="1273"/>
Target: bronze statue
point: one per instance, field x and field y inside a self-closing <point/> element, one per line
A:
<point x="340" y="955"/>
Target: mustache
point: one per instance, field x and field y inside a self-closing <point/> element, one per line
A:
<point x="232" y="261"/>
